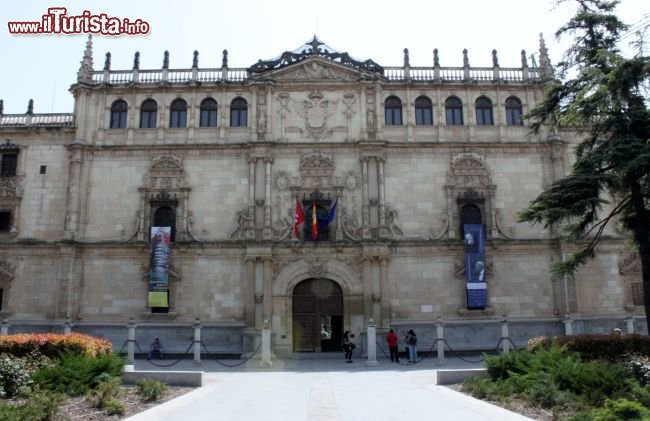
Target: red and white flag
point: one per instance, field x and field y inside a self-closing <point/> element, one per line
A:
<point x="299" y="219"/>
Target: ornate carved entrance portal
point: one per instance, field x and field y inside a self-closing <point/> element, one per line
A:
<point x="317" y="316"/>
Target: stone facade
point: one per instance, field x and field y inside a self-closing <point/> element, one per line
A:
<point x="85" y="192"/>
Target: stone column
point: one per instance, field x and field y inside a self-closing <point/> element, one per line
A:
<point x="266" y="345"/>
<point x="385" y="296"/>
<point x="249" y="292"/>
<point x="250" y="230"/>
<point x="197" y="342"/>
<point x="130" y="345"/>
<point x="372" y="343"/>
<point x="67" y="326"/>
<point x="629" y="325"/>
<point x="74" y="192"/>
<point x="568" y="324"/>
<point x="505" y="336"/>
<point x="268" y="231"/>
<point x="268" y="288"/>
<point x="382" y="196"/>
<point x="365" y="210"/>
<point x="367" y="287"/>
<point x="362" y="113"/>
<point x="440" y="340"/>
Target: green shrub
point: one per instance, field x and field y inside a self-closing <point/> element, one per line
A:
<point x="597" y="347"/>
<point x="13" y="376"/>
<point x="479" y="387"/>
<point x="76" y="374"/>
<point x="639" y="367"/>
<point x="40" y="406"/>
<point x="113" y="407"/>
<point x="503" y="365"/>
<point x="151" y="390"/>
<point x="615" y="410"/>
<point x="104" y="392"/>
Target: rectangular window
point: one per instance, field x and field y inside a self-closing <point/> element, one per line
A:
<point x="454" y="116"/>
<point x="9" y="164"/>
<point x="5" y="221"/>
<point x="208" y="118"/>
<point x="637" y="294"/>
<point x="423" y="117"/>
<point x="148" y="119"/>
<point x="43" y="169"/>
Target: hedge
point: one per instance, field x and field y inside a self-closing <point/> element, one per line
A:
<point x="595" y="347"/>
<point x="53" y="345"/>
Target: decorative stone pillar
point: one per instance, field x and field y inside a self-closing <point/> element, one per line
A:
<point x="371" y="336"/>
<point x="385" y="296"/>
<point x="249" y="292"/>
<point x="266" y="345"/>
<point x="4" y="327"/>
<point x="365" y="210"/>
<point x="268" y="288"/>
<point x="67" y="326"/>
<point x="74" y="192"/>
<point x="250" y="232"/>
<point x="568" y="324"/>
<point x="268" y="231"/>
<point x="367" y="286"/>
<point x="382" y="196"/>
<point x="197" y="342"/>
<point x="629" y="325"/>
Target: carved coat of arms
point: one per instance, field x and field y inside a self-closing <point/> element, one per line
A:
<point x="315" y="112"/>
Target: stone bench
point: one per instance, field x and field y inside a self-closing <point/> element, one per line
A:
<point x="445" y="377"/>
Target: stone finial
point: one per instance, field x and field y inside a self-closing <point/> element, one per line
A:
<point x="224" y="59"/>
<point x="86" y="68"/>
<point x="30" y="107"/>
<point x="136" y="60"/>
<point x="524" y="59"/>
<point x="495" y="59"/>
<point x="546" y="70"/>
<point x="107" y="62"/>
<point x="2" y="106"/>
<point x="195" y="59"/>
<point x="465" y="58"/>
<point x="166" y="60"/>
<point x="406" y="58"/>
<point x="436" y="59"/>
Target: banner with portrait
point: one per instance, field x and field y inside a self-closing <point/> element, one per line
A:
<point x="475" y="270"/>
<point x="159" y="267"/>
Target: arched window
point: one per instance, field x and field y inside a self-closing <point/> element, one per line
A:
<point x="423" y="111"/>
<point x="208" y="113"/>
<point x="238" y="113"/>
<point x="165" y="216"/>
<point x="484" y="112"/>
<point x="148" y="114"/>
<point x="178" y="114"/>
<point x="454" y="111"/>
<point x="469" y="214"/>
<point x="393" y="108"/>
<point x="513" y="112"/>
<point x="118" y="114"/>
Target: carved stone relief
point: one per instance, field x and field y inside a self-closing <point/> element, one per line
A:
<point x="315" y="112"/>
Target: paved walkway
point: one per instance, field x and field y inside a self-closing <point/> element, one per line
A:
<point x="322" y="389"/>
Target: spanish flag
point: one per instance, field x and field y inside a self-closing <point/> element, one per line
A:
<point x="314" y="222"/>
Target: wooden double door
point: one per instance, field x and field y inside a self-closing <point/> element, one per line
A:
<point x="317" y="316"/>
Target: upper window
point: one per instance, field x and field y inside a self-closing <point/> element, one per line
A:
<point x="454" y="111"/>
<point x="5" y="221"/>
<point x="208" y="113"/>
<point x="238" y="113"/>
<point x="148" y="114"/>
<point x="393" y="107"/>
<point x="178" y="114"/>
<point x="484" y="112"/>
<point x="118" y="114"/>
<point x="513" y="112"/>
<point x="165" y="216"/>
<point x="9" y="163"/>
<point x="423" y="111"/>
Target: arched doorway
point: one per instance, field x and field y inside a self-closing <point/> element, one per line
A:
<point x="317" y="316"/>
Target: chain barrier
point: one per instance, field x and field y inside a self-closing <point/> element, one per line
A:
<point x="175" y="362"/>
<point x="231" y="365"/>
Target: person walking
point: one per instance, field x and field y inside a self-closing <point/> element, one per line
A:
<point x="392" y="340"/>
<point x="348" y="346"/>
<point x="411" y="344"/>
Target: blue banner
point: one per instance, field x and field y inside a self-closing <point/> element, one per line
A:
<point x="159" y="267"/>
<point x="475" y="269"/>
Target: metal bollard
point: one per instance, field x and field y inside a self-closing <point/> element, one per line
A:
<point x="197" y="342"/>
<point x="568" y="324"/>
<point x="130" y="346"/>
<point x="372" y="343"/>
<point x="629" y="325"/>
<point x="440" y="336"/>
<point x="67" y="326"/>
<point x="266" y="345"/>
<point x="505" y="335"/>
<point x="4" y="327"/>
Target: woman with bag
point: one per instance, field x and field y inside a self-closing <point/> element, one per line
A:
<point x="411" y="342"/>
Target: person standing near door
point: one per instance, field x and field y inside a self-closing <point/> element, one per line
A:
<point x="392" y="340"/>
<point x="411" y="344"/>
<point x="348" y="346"/>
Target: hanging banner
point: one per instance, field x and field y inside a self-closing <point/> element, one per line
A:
<point x="474" y="240"/>
<point x="159" y="267"/>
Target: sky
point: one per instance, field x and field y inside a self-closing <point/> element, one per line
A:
<point x="43" y="66"/>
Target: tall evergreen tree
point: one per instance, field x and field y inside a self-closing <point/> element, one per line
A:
<point x="604" y="96"/>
